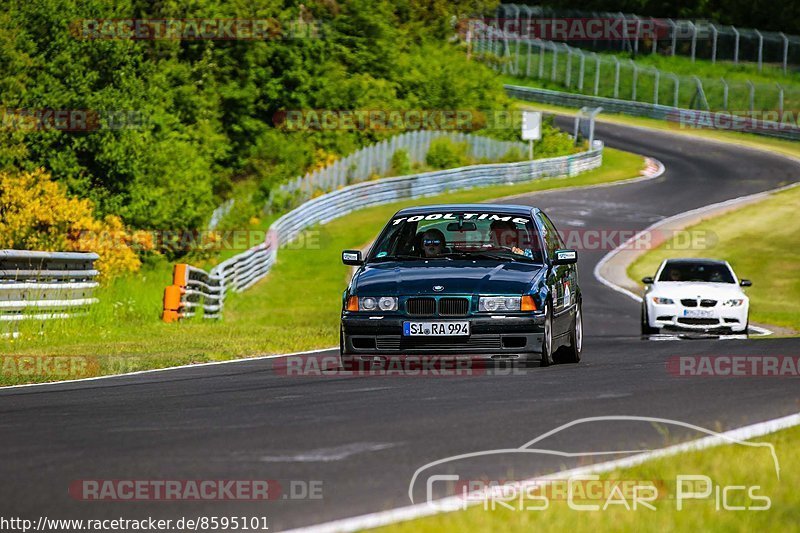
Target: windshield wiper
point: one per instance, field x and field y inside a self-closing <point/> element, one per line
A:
<point x="494" y="255"/>
<point x="401" y="257"/>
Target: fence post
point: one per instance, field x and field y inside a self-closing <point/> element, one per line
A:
<point x="674" y="35"/>
<point x="714" y="34"/>
<point x="677" y="83"/>
<point x="568" y="77"/>
<point x="735" y="45"/>
<point x="541" y="59"/>
<point x="702" y="93"/>
<point x="725" y="90"/>
<point x="785" y="53"/>
<point x="596" y="74"/>
<point x="528" y="63"/>
<point x="752" y="96"/>
<point x="656" y="80"/>
<point x="582" y="71"/>
<point x="655" y="36"/>
<point x="780" y="102"/>
<point x="554" y="73"/>
<point x="635" y="79"/>
<point x="694" y="41"/>
<point x="760" y="50"/>
<point x="616" y="76"/>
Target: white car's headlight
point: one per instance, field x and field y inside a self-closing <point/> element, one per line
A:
<point x="662" y="301"/>
<point x="499" y="303"/>
<point x="735" y="302"/>
<point x="372" y="303"/>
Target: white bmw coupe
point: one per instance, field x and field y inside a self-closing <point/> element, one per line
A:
<point x="695" y="294"/>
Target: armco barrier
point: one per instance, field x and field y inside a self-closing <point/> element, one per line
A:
<point x="45" y="285"/>
<point x="194" y="289"/>
<point x="639" y="109"/>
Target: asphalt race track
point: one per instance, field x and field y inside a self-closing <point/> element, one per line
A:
<point x="363" y="438"/>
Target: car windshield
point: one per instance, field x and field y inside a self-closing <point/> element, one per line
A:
<point x="452" y="236"/>
<point x="704" y="272"/>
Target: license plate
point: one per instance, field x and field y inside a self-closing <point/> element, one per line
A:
<point x="698" y="313"/>
<point x="436" y="329"/>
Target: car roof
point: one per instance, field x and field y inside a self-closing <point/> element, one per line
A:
<point x="506" y="209"/>
<point x="701" y="261"/>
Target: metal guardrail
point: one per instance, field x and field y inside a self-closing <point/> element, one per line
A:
<point x="194" y="289"/>
<point x="692" y="117"/>
<point x="45" y="285"/>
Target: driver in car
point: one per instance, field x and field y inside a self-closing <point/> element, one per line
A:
<point x="432" y="243"/>
<point x="505" y="235"/>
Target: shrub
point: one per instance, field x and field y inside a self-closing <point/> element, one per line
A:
<point x="445" y="153"/>
<point x="401" y="163"/>
<point x="37" y="214"/>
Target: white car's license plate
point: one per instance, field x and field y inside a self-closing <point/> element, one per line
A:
<point x="698" y="313"/>
<point x="435" y="329"/>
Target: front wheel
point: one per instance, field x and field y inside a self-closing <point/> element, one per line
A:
<point x="646" y="329"/>
<point x="547" y="340"/>
<point x="572" y="353"/>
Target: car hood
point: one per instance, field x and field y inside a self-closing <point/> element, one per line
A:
<point x="685" y="289"/>
<point x="415" y="278"/>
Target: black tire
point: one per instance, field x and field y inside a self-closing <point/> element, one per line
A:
<point x="547" y="338"/>
<point x="572" y="354"/>
<point x="646" y="329"/>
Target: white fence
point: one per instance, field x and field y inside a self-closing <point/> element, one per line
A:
<point x="376" y="160"/>
<point x="697" y="39"/>
<point x="193" y="289"/>
<point x="45" y="285"/>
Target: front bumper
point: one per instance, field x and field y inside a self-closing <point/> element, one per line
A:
<point x="490" y="337"/>
<point x="719" y="318"/>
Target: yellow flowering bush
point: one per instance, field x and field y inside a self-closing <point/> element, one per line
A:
<point x="37" y="214"/>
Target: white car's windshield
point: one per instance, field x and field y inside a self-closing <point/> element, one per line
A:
<point x="696" y="272"/>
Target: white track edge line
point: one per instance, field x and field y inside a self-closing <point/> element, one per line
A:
<point x="167" y="368"/>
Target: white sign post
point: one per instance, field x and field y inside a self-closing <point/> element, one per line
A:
<point x="531" y="129"/>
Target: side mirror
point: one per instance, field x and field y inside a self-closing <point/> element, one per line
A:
<point x="565" y="257"/>
<point x="746" y="283"/>
<point x="352" y="257"/>
<point x="648" y="280"/>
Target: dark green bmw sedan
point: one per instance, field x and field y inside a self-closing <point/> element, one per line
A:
<point x="481" y="282"/>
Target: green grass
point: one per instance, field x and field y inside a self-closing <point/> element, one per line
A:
<point x="766" y="96"/>
<point x="726" y="466"/>
<point x="295" y="308"/>
<point x="762" y="244"/>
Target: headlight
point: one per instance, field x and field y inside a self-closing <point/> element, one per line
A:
<point x="499" y="303"/>
<point x="372" y="303"/>
<point x="662" y="301"/>
<point x="736" y="302"/>
<point x="387" y="303"/>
